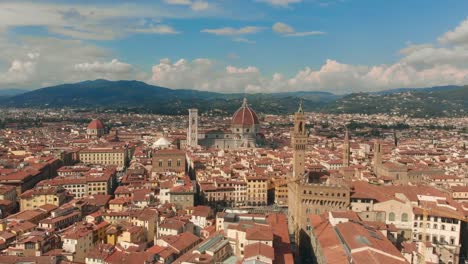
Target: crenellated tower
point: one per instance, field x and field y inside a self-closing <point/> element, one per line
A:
<point x="298" y="144"/>
<point x="346" y="150"/>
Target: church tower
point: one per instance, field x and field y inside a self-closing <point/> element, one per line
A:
<point x="298" y="144"/>
<point x="346" y="150"/>
<point x="192" y="132"/>
<point x="377" y="154"/>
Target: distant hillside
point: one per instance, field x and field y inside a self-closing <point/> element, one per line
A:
<point x="11" y="92"/>
<point x="142" y="97"/>
<point x="417" y="103"/>
<point x="428" y="89"/>
<point x="135" y="94"/>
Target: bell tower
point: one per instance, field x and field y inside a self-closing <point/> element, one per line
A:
<point x="192" y="131"/>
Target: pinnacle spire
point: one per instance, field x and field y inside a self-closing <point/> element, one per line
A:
<point x="300" y="106"/>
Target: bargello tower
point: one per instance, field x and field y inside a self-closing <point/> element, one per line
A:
<point x="298" y="144"/>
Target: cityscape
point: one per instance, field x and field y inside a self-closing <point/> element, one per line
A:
<point x="206" y="159"/>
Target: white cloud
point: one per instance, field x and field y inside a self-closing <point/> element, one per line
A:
<point x="194" y="5"/>
<point x="244" y="40"/>
<point x="178" y="2"/>
<point x="282" y="28"/>
<point x="94" y="22"/>
<point x="280" y="3"/>
<point x="233" y="70"/>
<point x="458" y="36"/>
<point x="332" y="76"/>
<point x="156" y="29"/>
<point x="113" y="66"/>
<point x="287" y="30"/>
<point x="112" y="70"/>
<point x="203" y="74"/>
<point x="229" y="31"/>
<point x="199" y="6"/>
<point x="19" y="71"/>
<point x="36" y="62"/>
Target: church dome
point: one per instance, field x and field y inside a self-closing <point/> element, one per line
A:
<point x="96" y="124"/>
<point x="245" y="116"/>
<point x="161" y="143"/>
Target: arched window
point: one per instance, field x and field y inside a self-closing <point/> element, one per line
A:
<point x="391" y="216"/>
<point x="404" y="217"/>
<point x="300" y="127"/>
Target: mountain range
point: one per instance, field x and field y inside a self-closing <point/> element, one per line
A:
<point x="139" y="96"/>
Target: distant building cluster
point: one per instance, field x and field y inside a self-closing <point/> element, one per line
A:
<point x="115" y="188"/>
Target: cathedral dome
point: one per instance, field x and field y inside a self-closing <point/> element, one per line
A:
<point x="245" y="116"/>
<point x="96" y="124"/>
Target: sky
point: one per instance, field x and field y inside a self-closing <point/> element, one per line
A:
<point x="249" y="46"/>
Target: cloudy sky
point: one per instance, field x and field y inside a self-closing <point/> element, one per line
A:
<point x="339" y="46"/>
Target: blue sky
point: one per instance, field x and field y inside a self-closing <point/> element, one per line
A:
<point x="236" y="45"/>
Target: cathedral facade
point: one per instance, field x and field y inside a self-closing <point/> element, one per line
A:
<point x="242" y="133"/>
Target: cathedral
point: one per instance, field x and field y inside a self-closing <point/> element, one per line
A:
<point x="242" y="133"/>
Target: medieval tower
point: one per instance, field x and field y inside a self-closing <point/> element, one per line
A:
<point x="307" y="192"/>
<point x="378" y="150"/>
<point x="298" y="144"/>
<point x="192" y="133"/>
<point x="346" y="150"/>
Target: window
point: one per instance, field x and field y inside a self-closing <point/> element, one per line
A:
<point x="178" y="163"/>
<point x="404" y="217"/>
<point x="391" y="216"/>
<point x="169" y="163"/>
<point x="442" y="227"/>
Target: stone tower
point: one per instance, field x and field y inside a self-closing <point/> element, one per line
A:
<point x="192" y="132"/>
<point x="377" y="154"/>
<point x="298" y="144"/>
<point x="346" y="150"/>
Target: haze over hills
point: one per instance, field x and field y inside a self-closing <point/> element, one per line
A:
<point x="12" y="92"/>
<point x="136" y="95"/>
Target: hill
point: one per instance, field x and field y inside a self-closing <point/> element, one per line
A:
<point x="416" y="103"/>
<point x="425" y="89"/>
<point x="141" y="97"/>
